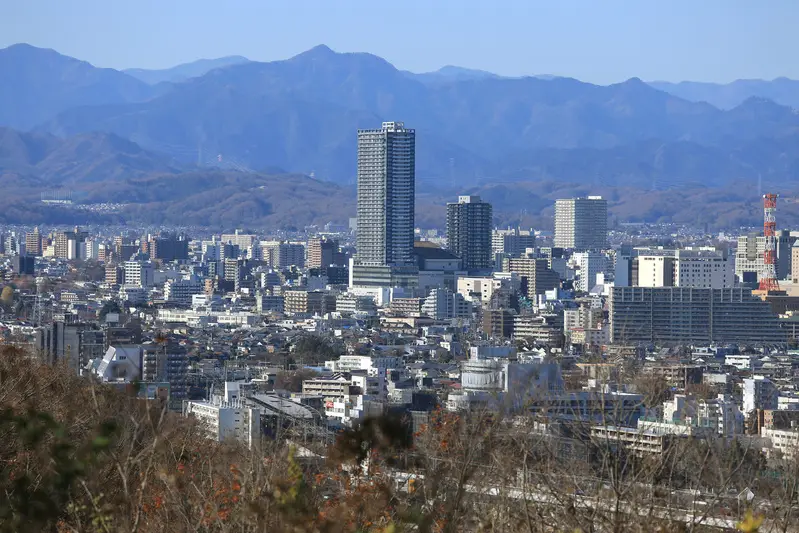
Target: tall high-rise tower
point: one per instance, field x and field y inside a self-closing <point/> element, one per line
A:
<point x="386" y="190"/>
<point x="33" y="242"/>
<point x="581" y="223"/>
<point x="469" y="231"/>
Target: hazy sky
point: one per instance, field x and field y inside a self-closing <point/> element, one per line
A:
<point x="600" y="41"/>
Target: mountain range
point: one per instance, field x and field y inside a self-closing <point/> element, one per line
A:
<point x="67" y="123"/>
<point x="183" y="72"/>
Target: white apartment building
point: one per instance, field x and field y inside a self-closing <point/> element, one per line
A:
<point x="351" y="409"/>
<point x="181" y="290"/>
<point x="373" y="365"/>
<point x="699" y="268"/>
<point x="353" y="304"/>
<point x="227" y="419"/>
<point x="655" y="271"/>
<point x="443" y="304"/>
<point x="590" y="264"/>
<point x="139" y="273"/>
<point x="244" y="241"/>
<point x="283" y="255"/>
<point x="582" y="317"/>
<point x="759" y="393"/>
<point x="750" y="252"/>
<point x="581" y="223"/>
<point x="330" y="388"/>
<point x="90" y="249"/>
<point x="742" y="361"/>
<point x="596" y="336"/>
<point x="512" y="241"/>
<point x="721" y="414"/>
<point x="207" y="317"/>
<point x="477" y="289"/>
<point x="783" y="441"/>
<point x="133" y="294"/>
<point x="584" y="325"/>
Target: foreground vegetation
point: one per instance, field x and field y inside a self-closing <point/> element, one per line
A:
<point x="82" y="457"/>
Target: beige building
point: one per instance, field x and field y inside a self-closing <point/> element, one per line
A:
<point x="322" y="252"/>
<point x="581" y="223"/>
<point x="749" y="256"/>
<point x="699" y="268"/>
<point x="33" y="243"/>
<point x="785" y="442"/>
<point x="331" y="389"/>
<point x="308" y="302"/>
<point x="535" y="274"/>
<point x="411" y="307"/>
<point x="795" y="262"/>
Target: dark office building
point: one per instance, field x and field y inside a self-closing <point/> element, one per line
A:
<point x="336" y="275"/>
<point x="469" y="232"/>
<point x="682" y="315"/>
<point x="498" y="323"/>
<point x="23" y="265"/>
<point x="168" y="249"/>
<point x="76" y="344"/>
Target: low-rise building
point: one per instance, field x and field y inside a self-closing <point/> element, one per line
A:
<point x="180" y="291"/>
<point x="654" y="440"/>
<point x="304" y="302"/>
<point x="784" y="442"/>
<point x="759" y="393"/>
<point x="443" y="304"/>
<point x="331" y="389"/>
<point x="227" y="419"/>
<point x="353" y="304"/>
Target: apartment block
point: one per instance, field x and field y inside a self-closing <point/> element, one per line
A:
<point x="469" y="232"/>
<point x="675" y="315"/>
<point x="581" y="224"/>
<point x="535" y="274"/>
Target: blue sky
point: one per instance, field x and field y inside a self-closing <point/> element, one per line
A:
<point x="600" y="41"/>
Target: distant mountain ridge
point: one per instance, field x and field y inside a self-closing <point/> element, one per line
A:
<point x="102" y="130"/>
<point x="183" y="71"/>
<point x="82" y="159"/>
<point x="783" y="91"/>
<point x="301" y="114"/>
<point x="37" y="83"/>
<point x="103" y="168"/>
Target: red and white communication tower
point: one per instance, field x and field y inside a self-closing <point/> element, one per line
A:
<point x="768" y="281"/>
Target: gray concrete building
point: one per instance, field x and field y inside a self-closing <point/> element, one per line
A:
<point x="681" y="316"/>
<point x="511" y="242"/>
<point x="750" y="252"/>
<point x="535" y="274"/>
<point x="469" y="232"/>
<point x="386" y="194"/>
<point x="581" y="223"/>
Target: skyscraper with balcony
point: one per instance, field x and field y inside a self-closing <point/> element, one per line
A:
<point x="581" y="224"/>
<point x="386" y="191"/>
<point x="469" y="232"/>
